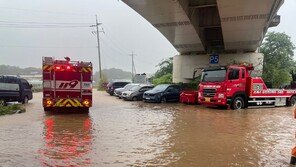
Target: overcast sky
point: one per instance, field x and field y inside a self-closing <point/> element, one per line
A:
<point x="23" y="44"/>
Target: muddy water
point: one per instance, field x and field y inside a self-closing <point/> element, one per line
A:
<point x="119" y="133"/>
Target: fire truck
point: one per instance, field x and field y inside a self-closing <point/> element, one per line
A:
<point x="233" y="86"/>
<point x="66" y="84"/>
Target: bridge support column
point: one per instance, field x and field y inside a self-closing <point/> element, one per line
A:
<point x="185" y="65"/>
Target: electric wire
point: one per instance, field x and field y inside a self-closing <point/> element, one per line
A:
<point x="14" y="24"/>
<point x="46" y="47"/>
<point x="118" y="62"/>
<point x="45" y="11"/>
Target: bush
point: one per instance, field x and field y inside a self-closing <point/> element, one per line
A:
<point x="102" y="84"/>
<point x="165" y="79"/>
<point x="12" y="109"/>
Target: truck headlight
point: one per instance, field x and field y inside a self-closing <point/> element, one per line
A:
<point x="221" y="95"/>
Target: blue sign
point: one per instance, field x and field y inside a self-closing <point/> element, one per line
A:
<point x="214" y="59"/>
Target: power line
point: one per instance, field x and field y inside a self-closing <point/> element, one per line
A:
<point x="41" y="26"/>
<point x="112" y="47"/>
<point x="121" y="48"/>
<point x="42" y="23"/>
<point x="44" y="11"/>
<point x="45" y="47"/>
<point x="12" y="24"/>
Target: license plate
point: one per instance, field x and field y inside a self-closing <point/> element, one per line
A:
<point x="148" y="98"/>
<point x="207" y="99"/>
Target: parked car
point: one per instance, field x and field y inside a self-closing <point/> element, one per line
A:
<point x="114" y="85"/>
<point x="118" y="91"/>
<point x="14" y="89"/>
<point x="136" y="92"/>
<point x="163" y="93"/>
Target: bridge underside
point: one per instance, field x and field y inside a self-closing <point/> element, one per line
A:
<point x="207" y="26"/>
<point x="203" y="27"/>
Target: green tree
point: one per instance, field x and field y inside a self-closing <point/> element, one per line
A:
<point x="164" y="73"/>
<point x="278" y="53"/>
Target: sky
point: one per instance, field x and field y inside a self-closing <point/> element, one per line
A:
<point x="24" y="44"/>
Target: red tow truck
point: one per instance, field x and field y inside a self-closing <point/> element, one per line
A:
<point x="66" y="84"/>
<point x="233" y="86"/>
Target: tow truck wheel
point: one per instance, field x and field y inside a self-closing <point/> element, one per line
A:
<point x="293" y="101"/>
<point x="237" y="103"/>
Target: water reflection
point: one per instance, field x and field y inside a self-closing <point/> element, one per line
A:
<point x="67" y="140"/>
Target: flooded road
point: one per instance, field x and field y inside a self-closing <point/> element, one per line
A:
<point x="120" y="133"/>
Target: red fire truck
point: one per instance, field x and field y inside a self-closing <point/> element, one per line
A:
<point x="66" y="83"/>
<point x="233" y="86"/>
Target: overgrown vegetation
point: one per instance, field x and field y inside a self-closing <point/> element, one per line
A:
<point x="278" y="51"/>
<point x="164" y="74"/>
<point x="11" y="109"/>
<point x="102" y="84"/>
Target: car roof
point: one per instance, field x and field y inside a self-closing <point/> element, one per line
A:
<point x="144" y="85"/>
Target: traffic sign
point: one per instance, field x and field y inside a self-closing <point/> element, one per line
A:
<point x="214" y="59"/>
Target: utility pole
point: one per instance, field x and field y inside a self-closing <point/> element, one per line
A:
<point x="133" y="65"/>
<point x="98" y="40"/>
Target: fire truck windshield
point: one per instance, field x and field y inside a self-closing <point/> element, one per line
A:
<point x="213" y="75"/>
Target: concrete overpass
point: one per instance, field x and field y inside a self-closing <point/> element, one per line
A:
<point x="202" y="29"/>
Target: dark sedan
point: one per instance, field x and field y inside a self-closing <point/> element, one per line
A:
<point x="163" y="93"/>
<point x="114" y="85"/>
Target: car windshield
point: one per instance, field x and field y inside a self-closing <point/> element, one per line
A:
<point x="213" y="76"/>
<point x="128" y="86"/>
<point x="160" y="87"/>
<point x="135" y="88"/>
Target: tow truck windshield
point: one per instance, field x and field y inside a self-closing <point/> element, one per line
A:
<point x="213" y="75"/>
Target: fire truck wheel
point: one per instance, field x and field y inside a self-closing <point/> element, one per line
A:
<point x="85" y="109"/>
<point x="293" y="101"/>
<point x="25" y="100"/>
<point x="2" y="102"/>
<point x="238" y="103"/>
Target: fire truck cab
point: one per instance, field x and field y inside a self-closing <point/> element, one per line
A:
<point x="66" y="84"/>
<point x="233" y="86"/>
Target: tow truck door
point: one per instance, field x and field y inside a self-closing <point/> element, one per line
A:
<point x="236" y="80"/>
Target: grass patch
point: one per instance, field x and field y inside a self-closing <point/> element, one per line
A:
<point x="11" y="109"/>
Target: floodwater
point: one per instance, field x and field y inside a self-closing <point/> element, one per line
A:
<point x="120" y="133"/>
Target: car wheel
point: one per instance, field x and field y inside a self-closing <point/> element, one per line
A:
<point x="135" y="98"/>
<point x="163" y="100"/>
<point x="25" y="100"/>
<point x="2" y="102"/>
<point x="238" y="103"/>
